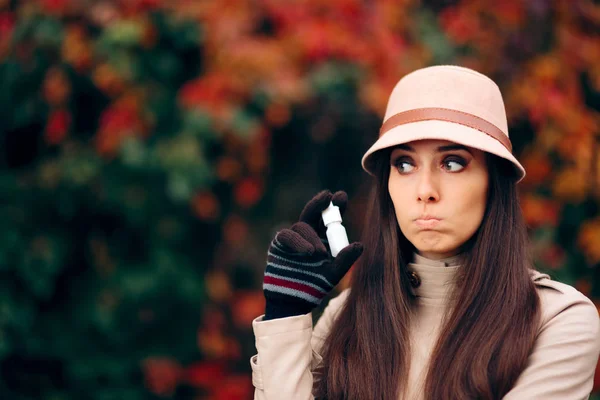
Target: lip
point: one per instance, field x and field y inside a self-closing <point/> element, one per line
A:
<point x="427" y="222"/>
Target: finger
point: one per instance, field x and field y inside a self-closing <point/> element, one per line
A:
<point x="311" y="214"/>
<point x="346" y="258"/>
<point x="292" y="242"/>
<point x="340" y="199"/>
<point x="310" y="235"/>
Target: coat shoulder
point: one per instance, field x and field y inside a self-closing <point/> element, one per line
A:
<point x="559" y="291"/>
<point x="558" y="298"/>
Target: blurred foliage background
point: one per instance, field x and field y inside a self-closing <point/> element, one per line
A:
<point x="150" y="149"/>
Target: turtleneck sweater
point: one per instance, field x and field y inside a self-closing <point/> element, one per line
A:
<point x="561" y="364"/>
<point x="435" y="282"/>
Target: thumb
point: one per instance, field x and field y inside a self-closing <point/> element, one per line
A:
<point x="346" y="258"/>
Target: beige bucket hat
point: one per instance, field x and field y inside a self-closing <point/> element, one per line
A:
<point x="450" y="103"/>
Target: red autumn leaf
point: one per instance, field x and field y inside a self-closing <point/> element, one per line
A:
<point x="205" y="374"/>
<point x="210" y="92"/>
<point x="205" y="206"/>
<point x="139" y="6"/>
<point x="119" y="119"/>
<point x="55" y="7"/>
<point x="458" y="24"/>
<point x="246" y="306"/>
<point x="7" y="23"/>
<point x="248" y="192"/>
<point x="235" y="230"/>
<point x="236" y="387"/>
<point x="162" y="375"/>
<point x="117" y="123"/>
<point x="57" y="126"/>
<point x="539" y="211"/>
<point x="56" y="88"/>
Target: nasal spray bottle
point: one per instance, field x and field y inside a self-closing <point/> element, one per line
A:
<point x="336" y="233"/>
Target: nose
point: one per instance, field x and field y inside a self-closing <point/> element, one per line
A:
<point x="427" y="189"/>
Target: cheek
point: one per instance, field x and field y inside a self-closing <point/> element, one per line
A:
<point x="400" y="199"/>
<point x="472" y="203"/>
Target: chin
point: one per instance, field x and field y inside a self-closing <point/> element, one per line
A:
<point x="439" y="248"/>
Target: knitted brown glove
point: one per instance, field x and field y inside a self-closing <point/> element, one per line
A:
<point x="300" y="269"/>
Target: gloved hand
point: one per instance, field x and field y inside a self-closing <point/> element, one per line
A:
<point x="300" y="269"/>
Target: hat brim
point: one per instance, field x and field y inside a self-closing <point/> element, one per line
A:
<point x="441" y="130"/>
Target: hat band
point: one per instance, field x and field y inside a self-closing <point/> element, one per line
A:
<point x="446" y="114"/>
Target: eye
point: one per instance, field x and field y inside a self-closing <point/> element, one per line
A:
<point x="403" y="165"/>
<point x="454" y="164"/>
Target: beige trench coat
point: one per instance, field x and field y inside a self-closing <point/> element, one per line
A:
<point x="560" y="367"/>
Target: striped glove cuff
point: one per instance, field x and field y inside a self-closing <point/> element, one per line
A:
<point x="294" y="283"/>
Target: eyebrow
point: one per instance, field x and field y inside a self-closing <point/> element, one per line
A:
<point x="440" y="149"/>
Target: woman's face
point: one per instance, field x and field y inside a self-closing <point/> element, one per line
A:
<point x="439" y="190"/>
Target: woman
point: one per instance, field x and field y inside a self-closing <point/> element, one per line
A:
<point x="443" y="303"/>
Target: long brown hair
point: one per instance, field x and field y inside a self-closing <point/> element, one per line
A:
<point x="488" y="333"/>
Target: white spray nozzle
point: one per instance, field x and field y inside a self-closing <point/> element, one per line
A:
<point x="331" y="214"/>
<point x="336" y="233"/>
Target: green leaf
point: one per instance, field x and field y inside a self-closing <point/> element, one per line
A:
<point x="123" y="33"/>
<point x="430" y="34"/>
<point x="134" y="152"/>
<point x="199" y="123"/>
<point x="48" y="32"/>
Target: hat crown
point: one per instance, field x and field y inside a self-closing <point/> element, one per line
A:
<point x="449" y="87"/>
